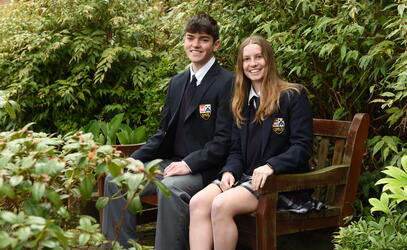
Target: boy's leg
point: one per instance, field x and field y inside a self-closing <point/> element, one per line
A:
<point x="112" y="213"/>
<point x="112" y="217"/>
<point x="173" y="211"/>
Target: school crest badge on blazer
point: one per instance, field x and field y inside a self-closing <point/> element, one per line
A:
<point x="205" y="111"/>
<point x="278" y="125"/>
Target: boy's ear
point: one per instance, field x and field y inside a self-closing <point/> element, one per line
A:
<point x="216" y="45"/>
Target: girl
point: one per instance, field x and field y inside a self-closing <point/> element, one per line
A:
<point x="272" y="134"/>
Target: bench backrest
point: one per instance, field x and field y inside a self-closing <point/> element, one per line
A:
<point x="335" y="143"/>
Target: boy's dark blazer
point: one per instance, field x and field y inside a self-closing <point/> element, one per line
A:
<point x="286" y="147"/>
<point x="208" y="139"/>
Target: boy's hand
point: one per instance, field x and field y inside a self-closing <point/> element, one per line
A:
<point x="176" y="168"/>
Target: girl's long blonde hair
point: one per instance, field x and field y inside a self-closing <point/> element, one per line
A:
<point x="271" y="88"/>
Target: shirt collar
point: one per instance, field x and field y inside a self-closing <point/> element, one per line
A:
<point x="200" y="74"/>
<point x="252" y="93"/>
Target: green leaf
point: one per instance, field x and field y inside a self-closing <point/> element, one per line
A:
<point x="101" y="168"/>
<point x="33" y="207"/>
<point x="377" y="147"/>
<point x="38" y="190"/>
<point x="6" y="240"/>
<point x="23" y="233"/>
<point x="134" y="180"/>
<point x="52" y="244"/>
<point x="86" y="187"/>
<point x="114" y="126"/>
<point x="102" y="202"/>
<point x="83" y="239"/>
<point x="123" y="137"/>
<point x="381" y="205"/>
<point x="135" y="205"/>
<point x="343" y="52"/>
<point x="7" y="190"/>
<point x="28" y="162"/>
<point x="400" y="8"/>
<point x="139" y="134"/>
<point x="153" y="163"/>
<point x="387" y="94"/>
<point x="396" y="173"/>
<point x="339" y="113"/>
<point x="163" y="188"/>
<point x="404" y="162"/>
<point x="8" y="217"/>
<point x="85" y="223"/>
<point x="114" y="169"/>
<point x="54" y="197"/>
<point x="15" y="180"/>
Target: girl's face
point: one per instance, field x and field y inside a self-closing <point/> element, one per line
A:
<point x="254" y="64"/>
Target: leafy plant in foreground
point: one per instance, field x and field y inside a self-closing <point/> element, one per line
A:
<point x="43" y="181"/>
<point x="390" y="230"/>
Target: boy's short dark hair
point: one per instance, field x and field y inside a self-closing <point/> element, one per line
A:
<point x="203" y="23"/>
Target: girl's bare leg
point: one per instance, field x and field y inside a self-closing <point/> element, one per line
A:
<point x="200" y="226"/>
<point x="225" y="206"/>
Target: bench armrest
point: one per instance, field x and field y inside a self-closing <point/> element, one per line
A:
<point x="332" y="175"/>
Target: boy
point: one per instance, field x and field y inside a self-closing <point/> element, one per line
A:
<point x="193" y="138"/>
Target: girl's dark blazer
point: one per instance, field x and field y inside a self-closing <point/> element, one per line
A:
<point x="208" y="139"/>
<point x="287" y="151"/>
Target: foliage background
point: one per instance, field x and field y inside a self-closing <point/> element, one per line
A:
<point x="66" y="62"/>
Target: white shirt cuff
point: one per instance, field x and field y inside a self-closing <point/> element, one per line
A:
<point x="187" y="166"/>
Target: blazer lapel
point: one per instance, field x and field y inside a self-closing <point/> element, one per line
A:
<point x="207" y="81"/>
<point x="265" y="132"/>
<point x="245" y="130"/>
<point x="179" y="93"/>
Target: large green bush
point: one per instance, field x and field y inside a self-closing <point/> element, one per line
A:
<point x="68" y="62"/>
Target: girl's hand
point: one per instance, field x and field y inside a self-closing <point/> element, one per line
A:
<point x="260" y="175"/>
<point x="227" y="181"/>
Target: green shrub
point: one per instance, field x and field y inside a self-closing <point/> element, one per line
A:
<point x="44" y="179"/>
<point x="114" y="132"/>
<point x="8" y="110"/>
<point x="390" y="230"/>
<point x="68" y="62"/>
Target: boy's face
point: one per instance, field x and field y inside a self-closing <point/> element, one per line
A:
<point x="199" y="48"/>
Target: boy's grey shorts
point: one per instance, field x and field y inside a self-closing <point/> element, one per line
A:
<point x="245" y="181"/>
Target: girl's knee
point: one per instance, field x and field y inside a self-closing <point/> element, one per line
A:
<point x="198" y="205"/>
<point x="219" y="209"/>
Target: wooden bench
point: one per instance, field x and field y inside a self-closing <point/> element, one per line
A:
<point x="339" y="147"/>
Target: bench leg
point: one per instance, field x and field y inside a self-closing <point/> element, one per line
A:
<point x="266" y="223"/>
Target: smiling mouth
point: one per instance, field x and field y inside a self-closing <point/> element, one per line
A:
<point x="254" y="70"/>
